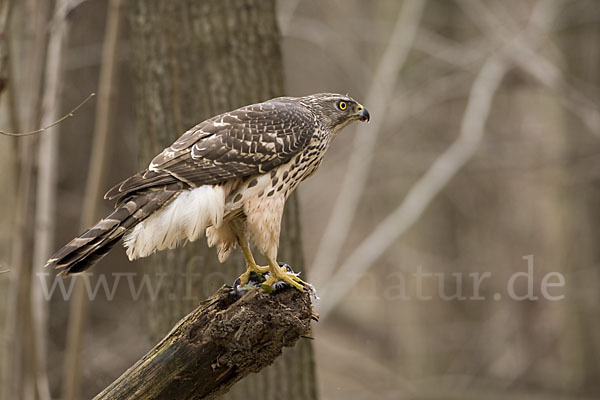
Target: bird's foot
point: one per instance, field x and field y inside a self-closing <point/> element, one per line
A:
<point x="257" y="269"/>
<point x="280" y="274"/>
<point x="263" y="277"/>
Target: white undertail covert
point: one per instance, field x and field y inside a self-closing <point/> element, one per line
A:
<point x="183" y="219"/>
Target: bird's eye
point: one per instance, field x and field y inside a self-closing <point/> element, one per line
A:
<point x="342" y="105"/>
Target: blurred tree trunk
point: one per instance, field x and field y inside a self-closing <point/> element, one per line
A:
<point x="580" y="348"/>
<point x="192" y="60"/>
<point x="104" y="121"/>
<point x="8" y="164"/>
<point x="485" y="221"/>
<point x="27" y="54"/>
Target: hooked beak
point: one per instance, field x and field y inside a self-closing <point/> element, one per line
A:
<point x="363" y="114"/>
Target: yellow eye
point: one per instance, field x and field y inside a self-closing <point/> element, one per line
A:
<point x="342" y="105"/>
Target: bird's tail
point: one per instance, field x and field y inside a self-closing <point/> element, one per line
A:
<point x="92" y="245"/>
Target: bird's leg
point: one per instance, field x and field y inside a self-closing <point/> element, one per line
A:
<point x="277" y="274"/>
<point x="251" y="265"/>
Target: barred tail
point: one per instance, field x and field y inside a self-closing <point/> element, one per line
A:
<point x="92" y="245"/>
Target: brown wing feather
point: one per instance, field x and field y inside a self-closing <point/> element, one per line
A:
<point x="246" y="141"/>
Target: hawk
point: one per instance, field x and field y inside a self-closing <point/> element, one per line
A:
<point x="227" y="178"/>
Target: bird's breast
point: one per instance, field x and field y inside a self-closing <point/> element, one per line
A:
<point x="281" y="181"/>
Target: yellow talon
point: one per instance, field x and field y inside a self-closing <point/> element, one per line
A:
<point x="245" y="277"/>
<point x="278" y="274"/>
<point x="251" y="266"/>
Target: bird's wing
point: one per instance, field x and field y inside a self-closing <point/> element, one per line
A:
<point x="246" y="141"/>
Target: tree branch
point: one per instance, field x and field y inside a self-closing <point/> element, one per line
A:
<point x="443" y="169"/>
<point x="424" y="191"/>
<point x="216" y="345"/>
<point x="356" y="177"/>
<point x="524" y="54"/>
<point x="53" y="124"/>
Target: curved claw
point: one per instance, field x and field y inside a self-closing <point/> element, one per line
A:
<point x="280" y="274"/>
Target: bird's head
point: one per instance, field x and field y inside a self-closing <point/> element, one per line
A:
<point x="336" y="110"/>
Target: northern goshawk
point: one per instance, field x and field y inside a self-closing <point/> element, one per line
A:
<point x="228" y="177"/>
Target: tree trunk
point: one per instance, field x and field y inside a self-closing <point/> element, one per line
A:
<point x="27" y="63"/>
<point x="579" y="207"/>
<point x="192" y="60"/>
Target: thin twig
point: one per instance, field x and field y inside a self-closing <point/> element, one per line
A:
<point x="58" y="121"/>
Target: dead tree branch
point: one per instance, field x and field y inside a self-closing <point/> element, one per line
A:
<point x="216" y="345"/>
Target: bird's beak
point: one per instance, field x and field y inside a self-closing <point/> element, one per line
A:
<point x="362" y="114"/>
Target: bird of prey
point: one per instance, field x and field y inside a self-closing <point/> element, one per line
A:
<point x="227" y="178"/>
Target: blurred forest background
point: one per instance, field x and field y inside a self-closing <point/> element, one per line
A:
<point x="481" y="157"/>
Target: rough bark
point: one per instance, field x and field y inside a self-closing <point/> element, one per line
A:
<point x="192" y="60"/>
<point x="216" y="345"/>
